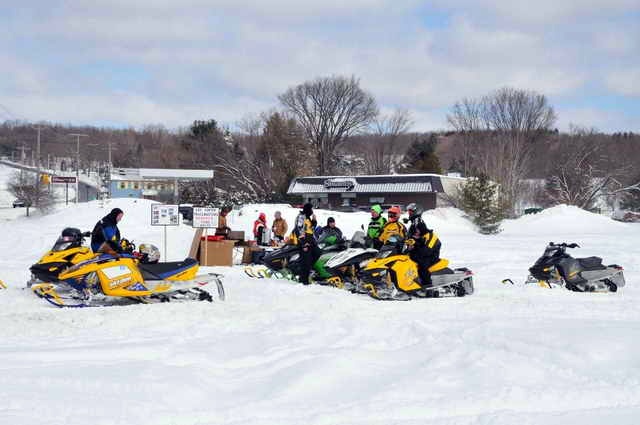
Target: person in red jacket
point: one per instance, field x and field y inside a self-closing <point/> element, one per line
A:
<point x="259" y="228"/>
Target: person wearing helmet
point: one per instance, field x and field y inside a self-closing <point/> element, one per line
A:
<point x="374" y="230"/>
<point x="259" y="227"/>
<point x="302" y="235"/>
<point x="393" y="227"/>
<point x="423" y="244"/>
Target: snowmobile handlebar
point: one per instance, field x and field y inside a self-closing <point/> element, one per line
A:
<point x="564" y="245"/>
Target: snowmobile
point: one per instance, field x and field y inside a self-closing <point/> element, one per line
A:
<point x="67" y="251"/>
<point x="394" y="276"/>
<point x="341" y="269"/>
<point x="558" y="268"/>
<point x="286" y="262"/>
<point x="345" y="266"/>
<point x="111" y="280"/>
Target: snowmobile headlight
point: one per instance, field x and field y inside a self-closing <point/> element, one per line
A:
<point x="364" y="263"/>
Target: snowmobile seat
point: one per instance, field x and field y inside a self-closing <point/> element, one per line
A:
<point x="591" y="263"/>
<point x="161" y="271"/>
<point x="446" y="270"/>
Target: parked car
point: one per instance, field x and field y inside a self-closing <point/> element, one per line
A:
<point x="19" y="203"/>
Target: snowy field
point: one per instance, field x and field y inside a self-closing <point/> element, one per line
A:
<point x="280" y="353"/>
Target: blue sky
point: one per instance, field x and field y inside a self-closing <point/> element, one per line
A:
<point x="132" y="63"/>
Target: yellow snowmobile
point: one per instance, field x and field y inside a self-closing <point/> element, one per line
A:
<point x="110" y="280"/>
<point x="395" y="277"/>
<point x="67" y="251"/>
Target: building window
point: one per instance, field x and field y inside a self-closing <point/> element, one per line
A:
<point x="161" y="187"/>
<point x="376" y="200"/>
<point x="122" y="185"/>
<point x="136" y="186"/>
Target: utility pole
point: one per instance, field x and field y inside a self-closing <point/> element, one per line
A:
<point x="78" y="136"/>
<point x="38" y="165"/>
<point x="38" y="150"/>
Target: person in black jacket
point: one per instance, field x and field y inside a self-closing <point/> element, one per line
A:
<point x="105" y="236"/>
<point x="329" y="230"/>
<point x="424" y="245"/>
<point x="303" y="236"/>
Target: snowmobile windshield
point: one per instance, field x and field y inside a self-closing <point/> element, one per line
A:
<point x="328" y="239"/>
<point x="358" y="239"/>
<point x="65" y="242"/>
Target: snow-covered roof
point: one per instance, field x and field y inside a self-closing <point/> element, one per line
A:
<point x="392" y="183"/>
<point x="160" y="174"/>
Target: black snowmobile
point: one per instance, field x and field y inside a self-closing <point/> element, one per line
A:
<point x="557" y="267"/>
<point x="286" y="262"/>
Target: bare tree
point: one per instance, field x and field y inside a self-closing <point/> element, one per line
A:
<point x="577" y="179"/>
<point x="26" y="187"/>
<point x="383" y="155"/>
<point x="498" y="132"/>
<point x="330" y="109"/>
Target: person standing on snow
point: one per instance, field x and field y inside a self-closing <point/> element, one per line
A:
<point x="279" y="228"/>
<point x="105" y="237"/>
<point x="423" y="244"/>
<point x="302" y="236"/>
<point x="259" y="228"/>
<point x="374" y="230"/>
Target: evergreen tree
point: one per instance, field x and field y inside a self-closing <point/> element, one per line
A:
<point x="421" y="156"/>
<point x="480" y="199"/>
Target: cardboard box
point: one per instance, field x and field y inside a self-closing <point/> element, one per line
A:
<point x="247" y="256"/>
<point x="219" y="253"/>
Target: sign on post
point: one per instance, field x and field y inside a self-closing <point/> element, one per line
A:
<point x="65" y="181"/>
<point x="164" y="215"/>
<point x="205" y="217"/>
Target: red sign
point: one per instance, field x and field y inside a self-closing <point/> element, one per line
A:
<point x="63" y="179"/>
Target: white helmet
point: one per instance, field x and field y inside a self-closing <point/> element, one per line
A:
<point x="151" y="253"/>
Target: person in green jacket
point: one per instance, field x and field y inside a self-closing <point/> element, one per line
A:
<point x="374" y="230"/>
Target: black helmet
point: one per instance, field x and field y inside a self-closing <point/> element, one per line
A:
<point x="414" y="210"/>
<point x="307" y="209"/>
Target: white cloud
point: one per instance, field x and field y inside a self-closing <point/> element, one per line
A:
<point x="198" y="57"/>
<point x="625" y="82"/>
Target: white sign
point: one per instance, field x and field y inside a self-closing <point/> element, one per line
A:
<point x="164" y="215"/>
<point x="205" y="217"/>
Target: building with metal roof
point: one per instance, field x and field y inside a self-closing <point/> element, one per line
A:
<point x="360" y="192"/>
<point x="152" y="183"/>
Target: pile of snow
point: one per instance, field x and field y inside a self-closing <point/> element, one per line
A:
<point x="562" y="219"/>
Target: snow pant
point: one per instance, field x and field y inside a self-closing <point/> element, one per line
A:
<point x="309" y="254"/>
<point x="425" y="257"/>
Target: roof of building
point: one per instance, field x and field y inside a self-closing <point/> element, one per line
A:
<point x="160" y="174"/>
<point x="392" y="183"/>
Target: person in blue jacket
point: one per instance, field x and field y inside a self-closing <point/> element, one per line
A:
<point x="105" y="236"/>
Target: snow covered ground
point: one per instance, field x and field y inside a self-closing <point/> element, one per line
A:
<point x="281" y="353"/>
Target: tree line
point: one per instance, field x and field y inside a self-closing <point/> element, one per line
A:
<point x="333" y="126"/>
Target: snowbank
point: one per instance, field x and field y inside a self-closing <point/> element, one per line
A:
<point x="561" y="220"/>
